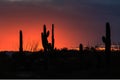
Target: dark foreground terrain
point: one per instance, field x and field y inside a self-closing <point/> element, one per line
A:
<point x="59" y="64"/>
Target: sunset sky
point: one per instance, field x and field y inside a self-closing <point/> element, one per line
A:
<point x="76" y="21"/>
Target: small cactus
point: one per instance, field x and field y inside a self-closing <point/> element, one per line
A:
<point x="81" y="48"/>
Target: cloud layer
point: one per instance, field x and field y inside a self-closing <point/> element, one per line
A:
<point x="27" y="0"/>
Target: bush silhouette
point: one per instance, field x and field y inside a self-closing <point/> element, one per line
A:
<point x="60" y="63"/>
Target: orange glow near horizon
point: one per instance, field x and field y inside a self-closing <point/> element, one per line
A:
<point x="32" y="36"/>
<point x="68" y="32"/>
<point x="73" y="24"/>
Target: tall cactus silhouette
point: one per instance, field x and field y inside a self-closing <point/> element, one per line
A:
<point x="21" y="42"/>
<point x="81" y="48"/>
<point x="45" y="34"/>
<point x="107" y="41"/>
<point x="53" y="40"/>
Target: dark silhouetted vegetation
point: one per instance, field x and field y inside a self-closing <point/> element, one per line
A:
<point x="45" y="34"/>
<point x="53" y="63"/>
<point x="81" y="48"/>
<point x="21" y="42"/>
<point x="107" y="41"/>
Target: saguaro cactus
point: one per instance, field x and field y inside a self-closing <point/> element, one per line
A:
<point x="53" y="40"/>
<point x="81" y="48"/>
<point x="107" y="41"/>
<point x="21" y="42"/>
<point x="44" y="36"/>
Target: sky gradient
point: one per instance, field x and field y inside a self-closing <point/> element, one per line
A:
<point x="76" y="21"/>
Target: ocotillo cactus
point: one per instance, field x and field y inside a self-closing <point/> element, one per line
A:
<point x="107" y="42"/>
<point x="21" y="42"/>
<point x="53" y="40"/>
<point x="107" y="39"/>
<point x="81" y="48"/>
<point x="44" y="36"/>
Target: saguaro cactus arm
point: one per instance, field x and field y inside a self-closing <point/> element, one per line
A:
<point x="104" y="39"/>
<point x="53" y="40"/>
